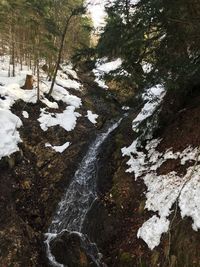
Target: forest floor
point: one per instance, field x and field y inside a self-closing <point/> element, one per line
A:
<point x="34" y="178"/>
<point x="123" y="209"/>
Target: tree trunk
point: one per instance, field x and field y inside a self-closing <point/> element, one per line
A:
<point x="60" y="54"/>
<point x="38" y="80"/>
<point x="13" y="54"/>
<point x="29" y="82"/>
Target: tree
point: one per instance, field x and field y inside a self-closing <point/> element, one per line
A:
<point x="75" y="11"/>
<point x="160" y="33"/>
<point x="32" y="31"/>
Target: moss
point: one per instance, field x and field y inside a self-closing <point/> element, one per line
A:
<point x="155" y="258"/>
<point x="126" y="260"/>
<point x="122" y="89"/>
<point x="141" y="207"/>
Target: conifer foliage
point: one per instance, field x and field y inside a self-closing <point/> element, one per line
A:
<point x="161" y="34"/>
<point x="31" y="31"/>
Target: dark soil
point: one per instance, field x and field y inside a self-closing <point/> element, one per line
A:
<point x="33" y="180"/>
<point x="115" y="218"/>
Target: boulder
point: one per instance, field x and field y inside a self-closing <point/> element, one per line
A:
<point x="68" y="248"/>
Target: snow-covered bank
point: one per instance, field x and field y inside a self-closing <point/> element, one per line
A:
<point x="67" y="119"/>
<point x="9" y="136"/>
<point x="163" y="190"/>
<point x="103" y="67"/>
<point x="11" y="92"/>
<point x="153" y="98"/>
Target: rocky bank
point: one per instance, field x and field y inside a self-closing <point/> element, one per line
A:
<point x="34" y="179"/>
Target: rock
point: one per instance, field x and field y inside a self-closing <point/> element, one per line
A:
<point x="68" y="249"/>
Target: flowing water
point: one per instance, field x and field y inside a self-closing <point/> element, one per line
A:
<point x="78" y="198"/>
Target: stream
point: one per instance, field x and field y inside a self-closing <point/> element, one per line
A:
<point x="77" y="200"/>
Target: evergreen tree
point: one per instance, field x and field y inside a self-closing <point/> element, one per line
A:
<point x="31" y="31"/>
<point x="158" y="32"/>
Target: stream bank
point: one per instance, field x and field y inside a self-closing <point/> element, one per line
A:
<point x="34" y="179"/>
<point x="115" y="218"/>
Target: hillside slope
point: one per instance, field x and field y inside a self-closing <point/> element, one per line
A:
<point x="150" y="215"/>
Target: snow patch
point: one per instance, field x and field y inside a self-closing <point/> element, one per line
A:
<point x="164" y="190"/>
<point x="10" y="92"/>
<point x="125" y="108"/>
<point x="153" y="97"/>
<point x="68" y="84"/>
<point x="49" y="104"/>
<point x="152" y="230"/>
<point x="61" y="94"/>
<point x="9" y="136"/>
<point x="103" y="66"/>
<point x="59" y="149"/>
<point x="189" y="201"/>
<point x="66" y="120"/>
<point x="25" y="114"/>
<point x="92" y="117"/>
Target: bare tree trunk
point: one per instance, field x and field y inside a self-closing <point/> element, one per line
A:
<point x="13" y="53"/>
<point x="9" y="69"/>
<point x="38" y="80"/>
<point x="60" y="53"/>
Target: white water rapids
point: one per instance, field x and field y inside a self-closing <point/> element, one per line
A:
<point x="78" y="198"/>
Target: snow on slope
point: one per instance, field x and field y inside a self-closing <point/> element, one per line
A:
<point x="103" y="66"/>
<point x="10" y="92"/>
<point x="153" y="97"/>
<point x="92" y="117"/>
<point x="67" y="119"/>
<point x="163" y="190"/>
<point x="9" y="136"/>
<point x="59" y="149"/>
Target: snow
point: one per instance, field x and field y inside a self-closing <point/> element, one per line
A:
<point x="92" y="117"/>
<point x="147" y="67"/>
<point x="61" y="94"/>
<point x="136" y="161"/>
<point x="189" y="201"/>
<point x="68" y="84"/>
<point x="59" y="149"/>
<point x="9" y="136"/>
<point x="49" y="103"/>
<point x="154" y="97"/>
<point x="10" y="92"/>
<point x="25" y="114"/>
<point x="125" y="108"/>
<point x="68" y="69"/>
<point x="66" y="120"/>
<point x="13" y="92"/>
<point x="152" y="230"/>
<point x="164" y="190"/>
<point x="103" y="66"/>
<point x="107" y="67"/>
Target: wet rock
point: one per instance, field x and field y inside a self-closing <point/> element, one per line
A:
<point x="68" y="249"/>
